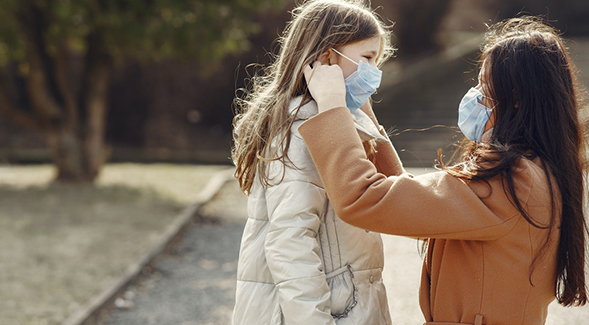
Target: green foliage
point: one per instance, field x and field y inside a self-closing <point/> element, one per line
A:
<point x="202" y="30"/>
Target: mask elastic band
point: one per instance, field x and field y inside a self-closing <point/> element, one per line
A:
<point x="338" y="52"/>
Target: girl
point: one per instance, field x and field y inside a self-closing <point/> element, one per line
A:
<point x="505" y="226"/>
<point x="299" y="263"/>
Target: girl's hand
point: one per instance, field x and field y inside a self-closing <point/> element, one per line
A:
<point x="326" y="85"/>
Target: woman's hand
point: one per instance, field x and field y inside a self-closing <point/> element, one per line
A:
<point x="326" y="85"/>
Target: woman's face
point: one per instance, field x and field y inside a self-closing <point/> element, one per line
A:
<point x="366" y="50"/>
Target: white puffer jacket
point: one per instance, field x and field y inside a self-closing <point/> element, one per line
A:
<point x="298" y="262"/>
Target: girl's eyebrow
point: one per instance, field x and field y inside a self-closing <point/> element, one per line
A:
<point x="372" y="52"/>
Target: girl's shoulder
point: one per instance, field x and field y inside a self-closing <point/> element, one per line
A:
<point x="529" y="181"/>
<point x="302" y="108"/>
<point x="297" y="164"/>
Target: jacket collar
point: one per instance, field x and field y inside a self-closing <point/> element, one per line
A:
<point x="364" y="125"/>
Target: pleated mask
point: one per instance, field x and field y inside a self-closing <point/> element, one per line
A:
<point x="473" y="115"/>
<point x="361" y="84"/>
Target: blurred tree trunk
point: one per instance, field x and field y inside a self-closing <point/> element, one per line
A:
<point x="73" y="122"/>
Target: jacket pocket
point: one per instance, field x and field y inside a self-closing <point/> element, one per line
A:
<point x="343" y="291"/>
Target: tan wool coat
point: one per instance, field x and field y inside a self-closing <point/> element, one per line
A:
<point x="478" y="269"/>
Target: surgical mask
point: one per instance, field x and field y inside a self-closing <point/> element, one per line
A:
<point x="360" y="84"/>
<point x="473" y="115"/>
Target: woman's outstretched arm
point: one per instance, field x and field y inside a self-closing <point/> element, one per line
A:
<point x="387" y="160"/>
<point x="433" y="205"/>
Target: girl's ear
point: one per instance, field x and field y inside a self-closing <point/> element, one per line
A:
<point x="327" y="57"/>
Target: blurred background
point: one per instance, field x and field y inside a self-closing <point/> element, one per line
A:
<point x="115" y="114"/>
<point x="88" y="82"/>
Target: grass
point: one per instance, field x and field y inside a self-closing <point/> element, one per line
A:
<point x="62" y="245"/>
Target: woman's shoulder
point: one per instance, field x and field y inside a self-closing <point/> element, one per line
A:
<point x="529" y="182"/>
<point x="531" y="174"/>
<point x="538" y="178"/>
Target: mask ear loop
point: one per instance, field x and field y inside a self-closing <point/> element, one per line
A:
<point x="338" y="52"/>
<point x="480" y="100"/>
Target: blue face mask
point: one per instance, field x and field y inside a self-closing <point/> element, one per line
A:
<point x="360" y="84"/>
<point x="473" y="115"/>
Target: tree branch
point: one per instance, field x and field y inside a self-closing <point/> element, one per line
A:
<point x="44" y="103"/>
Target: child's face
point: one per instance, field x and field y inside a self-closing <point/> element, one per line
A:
<point x="365" y="50"/>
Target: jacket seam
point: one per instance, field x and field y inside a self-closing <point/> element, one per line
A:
<point x="328" y="241"/>
<point x="324" y="231"/>
<point x="301" y="278"/>
<point x="292" y="227"/>
<point x="295" y="180"/>
<point x="339" y="256"/>
<point x="436" y="235"/>
<point x="252" y="281"/>
<point x="339" y="252"/>
<point x="320" y="233"/>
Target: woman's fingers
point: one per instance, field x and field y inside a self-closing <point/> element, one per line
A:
<point x="308" y="71"/>
<point x="326" y="84"/>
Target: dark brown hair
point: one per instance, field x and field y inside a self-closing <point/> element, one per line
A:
<point x="529" y="77"/>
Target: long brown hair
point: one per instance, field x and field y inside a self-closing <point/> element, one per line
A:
<point x="261" y="127"/>
<point x="531" y="81"/>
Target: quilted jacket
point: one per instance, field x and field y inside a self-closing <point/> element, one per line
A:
<point x="299" y="263"/>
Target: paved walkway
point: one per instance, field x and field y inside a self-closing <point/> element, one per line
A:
<point x="195" y="283"/>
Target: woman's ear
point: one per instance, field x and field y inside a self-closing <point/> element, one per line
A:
<point x="327" y="57"/>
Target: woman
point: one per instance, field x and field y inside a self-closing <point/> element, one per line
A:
<point x="505" y="226"/>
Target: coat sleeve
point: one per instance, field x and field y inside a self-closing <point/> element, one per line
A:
<point x="434" y="205"/>
<point x="387" y="160"/>
<point x="293" y="252"/>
